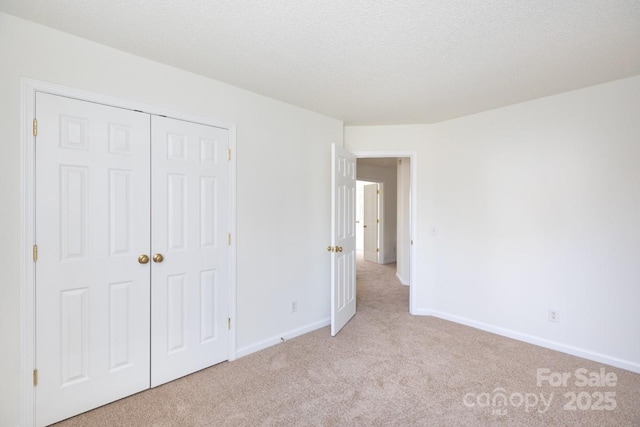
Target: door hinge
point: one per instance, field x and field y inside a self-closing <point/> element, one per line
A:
<point x="228" y="323"/>
<point x="378" y="221"/>
<point x="35" y="127"/>
<point x="377" y="191"/>
<point x="228" y="238"/>
<point x="377" y="249"/>
<point x="228" y="153"/>
<point x="35" y="253"/>
<point x="35" y="377"/>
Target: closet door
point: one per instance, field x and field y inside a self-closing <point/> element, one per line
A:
<point x="189" y="217"/>
<point x="92" y="224"/>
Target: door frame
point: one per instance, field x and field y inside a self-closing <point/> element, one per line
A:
<point x="413" y="215"/>
<point x="28" y="89"/>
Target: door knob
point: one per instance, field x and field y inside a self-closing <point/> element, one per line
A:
<point x="158" y="258"/>
<point x="143" y="259"/>
<point x="339" y="249"/>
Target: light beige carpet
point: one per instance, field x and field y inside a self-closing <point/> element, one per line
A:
<point x="386" y="368"/>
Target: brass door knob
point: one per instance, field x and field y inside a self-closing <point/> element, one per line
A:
<point x="158" y="258"/>
<point x="330" y="248"/>
<point x="143" y="259"/>
<point x="339" y="249"/>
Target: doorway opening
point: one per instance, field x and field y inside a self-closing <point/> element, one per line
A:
<point x="384" y="213"/>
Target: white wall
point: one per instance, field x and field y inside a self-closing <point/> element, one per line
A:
<point x="536" y="206"/>
<point x="283" y="153"/>
<point x="388" y="176"/>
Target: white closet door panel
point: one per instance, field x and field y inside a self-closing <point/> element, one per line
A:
<point x="190" y="216"/>
<point x="92" y="222"/>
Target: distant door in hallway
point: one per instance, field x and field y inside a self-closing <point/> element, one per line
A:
<point x="343" y="238"/>
<point x="371" y="222"/>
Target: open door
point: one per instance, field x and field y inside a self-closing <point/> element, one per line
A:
<point x="343" y="238"/>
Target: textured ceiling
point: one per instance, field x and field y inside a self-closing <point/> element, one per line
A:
<point x="370" y="62"/>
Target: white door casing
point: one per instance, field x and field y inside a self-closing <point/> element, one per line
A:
<point x="412" y="191"/>
<point x="190" y="193"/>
<point x="371" y="224"/>
<point x="343" y="238"/>
<point x="91" y="221"/>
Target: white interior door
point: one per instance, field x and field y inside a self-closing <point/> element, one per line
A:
<point x="343" y="238"/>
<point x="359" y="216"/>
<point x="190" y="221"/>
<point x="371" y="211"/>
<point x="92" y="223"/>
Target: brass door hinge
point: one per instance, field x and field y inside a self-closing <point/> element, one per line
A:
<point x="378" y="221"/>
<point x="35" y="127"/>
<point x="228" y="238"/>
<point x="35" y="253"/>
<point x="228" y="153"/>
<point x="35" y="377"/>
<point x="377" y="191"/>
<point x="228" y="323"/>
<point x="377" y="249"/>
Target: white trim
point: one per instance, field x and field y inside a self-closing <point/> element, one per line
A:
<point x="269" y="342"/>
<point x="381" y="215"/>
<point x="401" y="280"/>
<point x="28" y="89"/>
<point x="112" y="101"/>
<point x="541" y="342"/>
<point x="27" y="228"/>
<point x="233" y="248"/>
<point x="413" y="223"/>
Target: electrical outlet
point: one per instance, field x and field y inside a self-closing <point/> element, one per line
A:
<point x="554" y="316"/>
<point x="294" y="306"/>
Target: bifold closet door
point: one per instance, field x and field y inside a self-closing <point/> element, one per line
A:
<point x="189" y="222"/>
<point x="91" y="224"/>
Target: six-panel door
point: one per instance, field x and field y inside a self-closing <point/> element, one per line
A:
<point x="343" y="238"/>
<point x="92" y="222"/>
<point x="189" y="288"/>
<point x="108" y="324"/>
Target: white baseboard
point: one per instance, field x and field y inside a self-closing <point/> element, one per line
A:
<point x="245" y="351"/>
<point x="402" y="281"/>
<point x="553" y="345"/>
